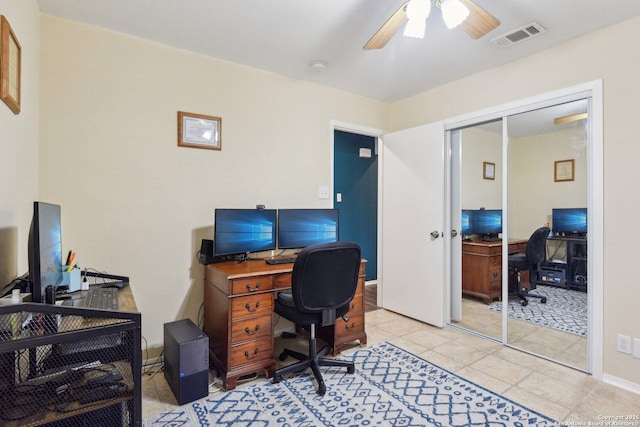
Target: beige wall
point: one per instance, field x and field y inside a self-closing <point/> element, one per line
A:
<point x="19" y="136"/>
<point x="135" y="203"/>
<point x="479" y="146"/>
<point x="609" y="54"/>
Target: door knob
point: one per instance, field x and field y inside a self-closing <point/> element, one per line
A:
<point x="454" y="233"/>
<point x="435" y="234"/>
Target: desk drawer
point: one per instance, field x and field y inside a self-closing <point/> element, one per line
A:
<point x="282" y="281"/>
<point x="343" y="329"/>
<point x="242" y="330"/>
<point x="252" y="284"/>
<point x="252" y="351"/>
<point x="356" y="306"/>
<point x="252" y="305"/>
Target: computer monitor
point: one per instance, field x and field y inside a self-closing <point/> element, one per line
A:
<point x="299" y="228"/>
<point x="241" y="231"/>
<point x="465" y="222"/>
<point x="569" y="221"/>
<point x="44" y="249"/>
<point x="487" y="222"/>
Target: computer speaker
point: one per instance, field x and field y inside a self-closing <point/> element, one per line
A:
<point x="205" y="256"/>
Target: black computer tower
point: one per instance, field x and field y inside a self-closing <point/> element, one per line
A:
<point x="186" y="360"/>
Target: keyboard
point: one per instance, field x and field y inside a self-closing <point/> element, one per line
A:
<point x="99" y="298"/>
<point x="282" y="260"/>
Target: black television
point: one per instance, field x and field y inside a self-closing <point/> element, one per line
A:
<point x="44" y="249"/>
<point x="487" y="223"/>
<point x="569" y="221"/>
<point x="299" y="228"/>
<point x="242" y="231"/>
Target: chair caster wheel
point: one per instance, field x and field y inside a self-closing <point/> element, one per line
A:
<point x="282" y="357"/>
<point x="351" y="370"/>
<point x="543" y="300"/>
<point x="322" y="389"/>
<point x="524" y="303"/>
<point x="276" y="379"/>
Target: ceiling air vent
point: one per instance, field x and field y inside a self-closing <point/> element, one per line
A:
<point x="519" y="35"/>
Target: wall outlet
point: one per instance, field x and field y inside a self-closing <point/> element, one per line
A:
<point x="636" y="348"/>
<point x="624" y="344"/>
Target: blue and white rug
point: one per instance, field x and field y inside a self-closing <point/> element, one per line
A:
<point x="391" y="387"/>
<point x="565" y="310"/>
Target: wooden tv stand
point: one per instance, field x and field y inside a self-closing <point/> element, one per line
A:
<point x="482" y="268"/>
<point x="238" y="317"/>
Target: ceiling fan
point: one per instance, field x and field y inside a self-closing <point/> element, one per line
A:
<point x="474" y="20"/>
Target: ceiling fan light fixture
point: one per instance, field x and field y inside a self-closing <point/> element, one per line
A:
<point x="417" y="13"/>
<point x="453" y="12"/>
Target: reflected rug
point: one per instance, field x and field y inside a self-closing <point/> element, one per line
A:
<point x="391" y="387"/>
<point x="565" y="310"/>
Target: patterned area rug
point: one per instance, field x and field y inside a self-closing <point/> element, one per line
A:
<point x="565" y="310"/>
<point x="391" y="387"/>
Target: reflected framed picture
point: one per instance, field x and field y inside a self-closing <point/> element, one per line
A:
<point x="199" y="131"/>
<point x="488" y="170"/>
<point x="564" y="170"/>
<point x="10" y="56"/>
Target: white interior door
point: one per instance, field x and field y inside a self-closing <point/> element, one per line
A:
<point x="413" y="223"/>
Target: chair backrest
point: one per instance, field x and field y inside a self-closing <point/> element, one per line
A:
<point x="325" y="276"/>
<point x="536" y="250"/>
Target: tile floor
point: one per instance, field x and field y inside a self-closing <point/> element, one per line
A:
<point x="559" y="392"/>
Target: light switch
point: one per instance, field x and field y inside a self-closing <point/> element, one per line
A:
<point x="338" y="197"/>
<point x="323" y="192"/>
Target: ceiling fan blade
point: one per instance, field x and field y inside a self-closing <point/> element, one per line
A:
<point x="389" y="29"/>
<point x="479" y="22"/>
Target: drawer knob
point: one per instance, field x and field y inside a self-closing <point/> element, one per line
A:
<point x="250" y="332"/>
<point x="252" y="309"/>
<point x="249" y="289"/>
<point x="251" y="356"/>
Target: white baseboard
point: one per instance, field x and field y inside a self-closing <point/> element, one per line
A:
<point x="621" y="383"/>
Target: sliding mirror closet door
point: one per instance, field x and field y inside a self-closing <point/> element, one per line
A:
<point x="477" y="198"/>
<point x="547" y="176"/>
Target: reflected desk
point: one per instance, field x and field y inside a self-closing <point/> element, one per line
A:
<point x="239" y="317"/>
<point x="482" y="268"/>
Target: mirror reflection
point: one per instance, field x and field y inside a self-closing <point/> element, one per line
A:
<point x="547" y="177"/>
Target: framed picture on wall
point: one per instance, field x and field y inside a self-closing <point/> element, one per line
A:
<point x="488" y="170"/>
<point x="199" y="131"/>
<point x="11" y="51"/>
<point x="564" y="170"/>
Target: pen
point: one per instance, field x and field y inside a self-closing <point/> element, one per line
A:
<point x="68" y="258"/>
<point x="71" y="257"/>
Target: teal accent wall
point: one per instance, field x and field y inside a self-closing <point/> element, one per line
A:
<point x="356" y="178"/>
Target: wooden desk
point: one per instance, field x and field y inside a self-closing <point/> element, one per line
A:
<point x="482" y="268"/>
<point x="238" y="317"/>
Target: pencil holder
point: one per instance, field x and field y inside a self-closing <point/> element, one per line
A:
<point x="71" y="278"/>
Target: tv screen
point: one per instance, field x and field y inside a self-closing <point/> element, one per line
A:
<point x="299" y="228"/>
<point x="44" y="249"/>
<point x="239" y="231"/>
<point x="465" y="224"/>
<point x="487" y="221"/>
<point x="569" y="221"/>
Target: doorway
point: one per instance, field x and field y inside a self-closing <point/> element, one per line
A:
<point x="355" y="181"/>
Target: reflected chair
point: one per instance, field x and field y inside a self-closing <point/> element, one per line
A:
<point x="532" y="259"/>
<point x="323" y="283"/>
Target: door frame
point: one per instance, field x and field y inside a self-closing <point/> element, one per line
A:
<point x="593" y="91"/>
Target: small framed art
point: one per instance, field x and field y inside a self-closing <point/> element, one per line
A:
<point x="10" y="53"/>
<point x="199" y="131"/>
<point x="564" y="170"/>
<point x="488" y="170"/>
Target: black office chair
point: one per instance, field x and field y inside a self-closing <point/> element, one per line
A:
<point x="323" y="283"/>
<point x="532" y="259"/>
